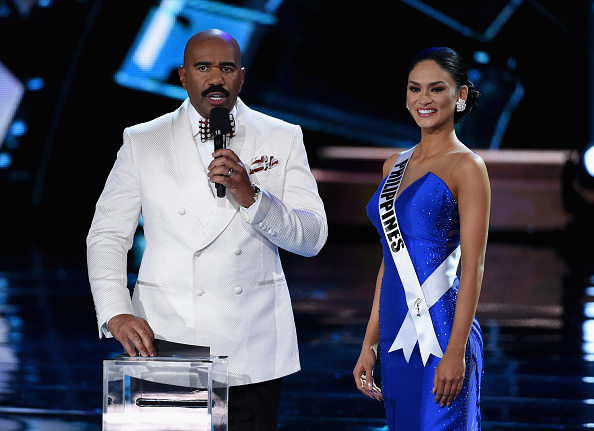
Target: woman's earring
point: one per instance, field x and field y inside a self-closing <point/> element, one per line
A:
<point x="407" y="105"/>
<point x="460" y="105"/>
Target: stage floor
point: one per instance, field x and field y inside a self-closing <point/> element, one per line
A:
<point x="535" y="312"/>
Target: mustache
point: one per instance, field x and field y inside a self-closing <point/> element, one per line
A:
<point x="215" y="89"/>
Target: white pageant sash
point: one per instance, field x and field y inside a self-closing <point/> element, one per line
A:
<point x="417" y="325"/>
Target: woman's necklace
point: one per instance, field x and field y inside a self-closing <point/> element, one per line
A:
<point x="432" y="157"/>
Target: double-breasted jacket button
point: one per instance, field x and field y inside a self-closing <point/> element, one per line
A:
<point x="199" y="292"/>
<point x="237" y="251"/>
<point x="238" y="290"/>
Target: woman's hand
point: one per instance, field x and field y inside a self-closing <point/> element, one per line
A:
<point x="363" y="374"/>
<point x="449" y="377"/>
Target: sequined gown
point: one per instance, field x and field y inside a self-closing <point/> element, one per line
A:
<point x="428" y="217"/>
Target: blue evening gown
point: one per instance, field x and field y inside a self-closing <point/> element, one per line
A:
<point x="429" y="222"/>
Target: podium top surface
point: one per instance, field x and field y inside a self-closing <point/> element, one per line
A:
<point x="123" y="359"/>
<point x="169" y="350"/>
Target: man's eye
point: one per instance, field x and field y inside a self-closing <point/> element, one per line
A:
<point x="227" y="69"/>
<point x="202" y="68"/>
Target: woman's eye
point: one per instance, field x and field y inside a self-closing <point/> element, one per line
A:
<point x="438" y="89"/>
<point x="413" y="89"/>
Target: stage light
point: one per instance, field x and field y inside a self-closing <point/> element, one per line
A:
<point x="157" y="51"/>
<point x="5" y="160"/>
<point x="35" y="84"/>
<point x="588" y="338"/>
<point x="588" y="161"/>
<point x="481" y="57"/>
<point x="18" y="128"/>
<point x="11" y="93"/>
<point x="577" y="185"/>
<point x="585" y="167"/>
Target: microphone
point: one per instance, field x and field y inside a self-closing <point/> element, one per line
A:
<point x="220" y="126"/>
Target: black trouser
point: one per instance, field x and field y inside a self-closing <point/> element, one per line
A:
<point x="255" y="407"/>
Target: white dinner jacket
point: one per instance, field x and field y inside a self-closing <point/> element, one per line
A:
<point x="209" y="275"/>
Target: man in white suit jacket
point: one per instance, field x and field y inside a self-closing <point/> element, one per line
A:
<point x="210" y="273"/>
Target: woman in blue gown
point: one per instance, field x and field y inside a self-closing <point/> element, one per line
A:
<point x="432" y="214"/>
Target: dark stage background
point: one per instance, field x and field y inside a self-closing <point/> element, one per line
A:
<point x="339" y="70"/>
<point x="75" y="73"/>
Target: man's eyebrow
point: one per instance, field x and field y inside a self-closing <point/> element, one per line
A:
<point x="228" y="63"/>
<point x="209" y="63"/>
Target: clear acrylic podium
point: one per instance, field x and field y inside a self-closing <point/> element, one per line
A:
<point x="166" y="393"/>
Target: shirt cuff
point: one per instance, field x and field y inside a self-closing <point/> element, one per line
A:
<point x="104" y="330"/>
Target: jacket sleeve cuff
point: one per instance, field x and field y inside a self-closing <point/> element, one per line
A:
<point x="109" y="312"/>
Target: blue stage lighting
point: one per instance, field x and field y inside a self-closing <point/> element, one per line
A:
<point x="585" y="167"/>
<point x="11" y="93"/>
<point x="158" y="48"/>
<point x="588" y="161"/>
<point x="18" y="128"/>
<point x="35" y="84"/>
<point x="5" y="160"/>
<point x="482" y="57"/>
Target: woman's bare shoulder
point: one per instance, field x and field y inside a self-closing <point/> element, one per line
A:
<point x="389" y="163"/>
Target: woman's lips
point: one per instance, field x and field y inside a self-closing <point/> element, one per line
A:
<point x="426" y="112"/>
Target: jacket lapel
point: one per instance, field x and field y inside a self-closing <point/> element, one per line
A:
<point x="243" y="142"/>
<point x="224" y="209"/>
<point x="190" y="165"/>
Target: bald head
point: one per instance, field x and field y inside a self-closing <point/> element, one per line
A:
<point x="212" y="34"/>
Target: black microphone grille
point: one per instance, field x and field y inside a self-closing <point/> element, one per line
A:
<point x="219" y="119"/>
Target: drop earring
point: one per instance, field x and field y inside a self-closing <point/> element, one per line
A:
<point x="407" y="105"/>
<point x="460" y="105"/>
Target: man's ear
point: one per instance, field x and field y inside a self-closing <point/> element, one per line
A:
<point x="182" y="76"/>
<point x="242" y="71"/>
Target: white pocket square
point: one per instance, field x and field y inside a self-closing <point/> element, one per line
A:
<point x="263" y="163"/>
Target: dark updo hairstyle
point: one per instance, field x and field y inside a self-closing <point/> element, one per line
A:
<point x="450" y="61"/>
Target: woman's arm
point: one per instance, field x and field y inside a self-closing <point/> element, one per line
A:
<point x="367" y="358"/>
<point x="471" y="184"/>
